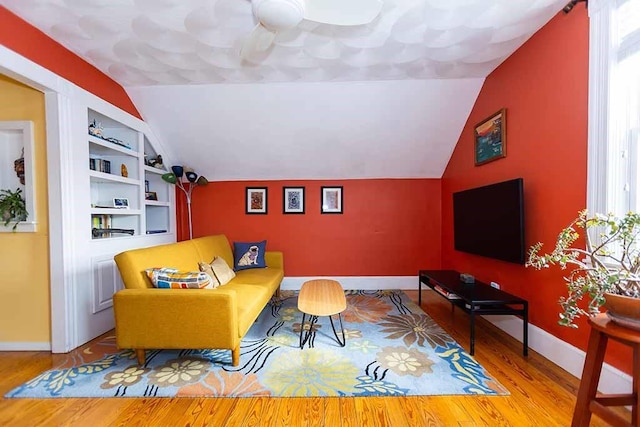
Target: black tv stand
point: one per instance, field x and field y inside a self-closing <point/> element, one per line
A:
<point x="475" y="298"/>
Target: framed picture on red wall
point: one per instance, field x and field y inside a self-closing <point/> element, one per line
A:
<point x="490" y="138"/>
<point x="293" y="200"/>
<point x="256" y="200"/>
<point x="331" y="202"/>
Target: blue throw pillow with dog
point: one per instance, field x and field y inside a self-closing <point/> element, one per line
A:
<point x="249" y="255"/>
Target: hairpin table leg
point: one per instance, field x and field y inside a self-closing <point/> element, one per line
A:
<point x="344" y="341"/>
<point x="307" y="333"/>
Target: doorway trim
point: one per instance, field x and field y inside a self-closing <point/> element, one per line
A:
<point x="58" y="109"/>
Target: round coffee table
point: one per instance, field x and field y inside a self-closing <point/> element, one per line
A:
<point x="321" y="297"/>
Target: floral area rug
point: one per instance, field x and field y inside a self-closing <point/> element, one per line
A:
<point x="392" y="349"/>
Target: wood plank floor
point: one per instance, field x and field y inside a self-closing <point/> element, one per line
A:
<point x="541" y="395"/>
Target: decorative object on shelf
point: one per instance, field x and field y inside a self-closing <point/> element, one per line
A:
<point x="491" y="138"/>
<point x="118" y="142"/>
<point x="100" y="232"/>
<point x="95" y="129"/>
<point x="155" y="162"/>
<point x="331" y="200"/>
<point x="120" y="203"/>
<point x="467" y="278"/>
<point x="123" y="170"/>
<point x="12" y="207"/>
<point x="18" y="167"/>
<point x="193" y="180"/>
<point x="151" y="195"/>
<point x="606" y="270"/>
<point x="293" y="199"/>
<point x="146" y="185"/>
<point x="256" y="200"/>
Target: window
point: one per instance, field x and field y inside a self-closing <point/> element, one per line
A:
<point x="614" y="106"/>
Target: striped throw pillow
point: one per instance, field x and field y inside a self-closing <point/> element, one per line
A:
<point x="171" y="278"/>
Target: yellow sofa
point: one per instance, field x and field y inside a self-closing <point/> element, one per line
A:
<point x="150" y="318"/>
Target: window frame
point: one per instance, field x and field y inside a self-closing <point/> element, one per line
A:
<point x="606" y="192"/>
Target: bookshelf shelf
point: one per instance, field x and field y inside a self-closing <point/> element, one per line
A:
<point x="114" y="211"/>
<point x="151" y="169"/>
<point x="109" y="178"/>
<point x="156" y="203"/>
<point x="104" y="147"/>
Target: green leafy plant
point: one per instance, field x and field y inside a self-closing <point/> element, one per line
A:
<point x="12" y="207"/>
<point x="608" y="262"/>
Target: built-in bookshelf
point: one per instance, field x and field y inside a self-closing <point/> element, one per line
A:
<point x="128" y="195"/>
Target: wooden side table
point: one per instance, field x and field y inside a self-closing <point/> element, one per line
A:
<point x="321" y="298"/>
<point x="589" y="400"/>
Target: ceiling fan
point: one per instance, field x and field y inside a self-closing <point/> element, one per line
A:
<point x="279" y="15"/>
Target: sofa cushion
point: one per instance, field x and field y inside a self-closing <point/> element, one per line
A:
<point x="209" y="247"/>
<point x="248" y="255"/>
<point x="251" y="300"/>
<point x="258" y="276"/>
<point x="219" y="271"/>
<point x="172" y="278"/>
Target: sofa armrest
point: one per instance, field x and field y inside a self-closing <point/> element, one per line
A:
<point x="176" y="318"/>
<point x="274" y="259"/>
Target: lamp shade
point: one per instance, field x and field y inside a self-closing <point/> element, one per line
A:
<point x="170" y="178"/>
<point x="191" y="176"/>
<point x="178" y="171"/>
<point x="202" y="181"/>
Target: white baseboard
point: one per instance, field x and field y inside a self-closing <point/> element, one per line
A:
<point x="25" y="346"/>
<point x="365" y="283"/>
<point x="563" y="354"/>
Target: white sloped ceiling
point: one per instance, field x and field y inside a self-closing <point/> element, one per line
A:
<point x="392" y="129"/>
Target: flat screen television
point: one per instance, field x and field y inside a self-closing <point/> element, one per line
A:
<point x="489" y="221"/>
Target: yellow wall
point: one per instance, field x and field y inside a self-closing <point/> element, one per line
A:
<point x="24" y="257"/>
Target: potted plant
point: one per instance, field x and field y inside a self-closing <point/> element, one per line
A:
<point x="605" y="268"/>
<point x="12" y="207"/>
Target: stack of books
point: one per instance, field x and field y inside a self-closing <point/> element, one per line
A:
<point x="100" y="222"/>
<point x="100" y="165"/>
<point x="445" y="293"/>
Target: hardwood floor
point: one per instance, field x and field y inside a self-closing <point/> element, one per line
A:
<point x="541" y="395"/>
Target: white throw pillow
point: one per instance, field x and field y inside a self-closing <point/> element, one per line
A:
<point x="219" y="271"/>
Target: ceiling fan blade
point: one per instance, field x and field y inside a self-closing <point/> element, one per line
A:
<point x="342" y="12"/>
<point x="259" y="40"/>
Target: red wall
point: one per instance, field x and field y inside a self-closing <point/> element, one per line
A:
<point x="28" y="41"/>
<point x="390" y="227"/>
<point x="544" y="87"/>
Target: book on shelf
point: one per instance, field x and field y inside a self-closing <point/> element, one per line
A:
<point x="101" y="222"/>
<point x="100" y="165"/>
<point x="445" y="293"/>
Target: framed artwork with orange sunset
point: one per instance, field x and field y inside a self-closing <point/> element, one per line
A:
<point x="490" y="138"/>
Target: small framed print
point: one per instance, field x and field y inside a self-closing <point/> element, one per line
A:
<point x="121" y="203"/>
<point x="293" y="199"/>
<point x="151" y="195"/>
<point x="490" y="138"/>
<point x="256" y="200"/>
<point x="331" y="200"/>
